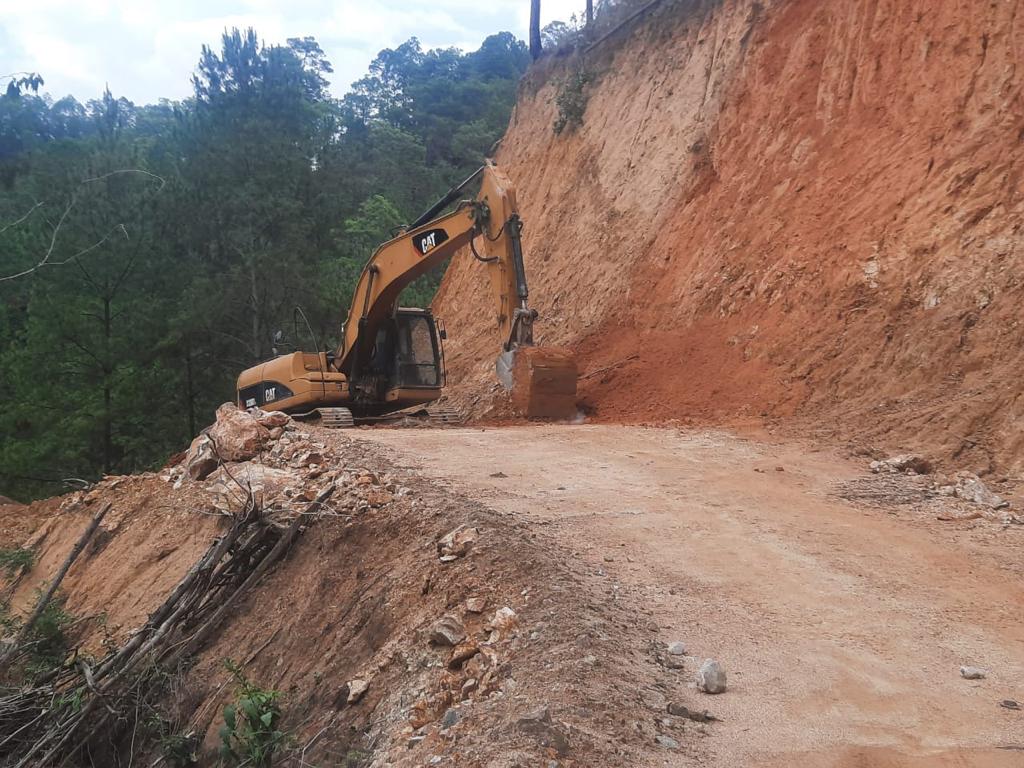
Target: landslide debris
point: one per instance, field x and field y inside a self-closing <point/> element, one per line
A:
<point x="391" y="621"/>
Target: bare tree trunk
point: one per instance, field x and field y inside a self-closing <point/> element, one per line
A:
<point x="590" y="12"/>
<point x="190" y="392"/>
<point x="535" y="47"/>
<point x="257" y="345"/>
<point x="108" y="368"/>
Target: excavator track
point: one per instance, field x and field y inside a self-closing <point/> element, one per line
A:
<point x="444" y="416"/>
<point x="336" y="418"/>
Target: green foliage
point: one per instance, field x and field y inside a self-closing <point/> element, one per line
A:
<point x="257" y="194"/>
<point x="250" y="734"/>
<point x="571" y="100"/>
<point x="46" y="643"/>
<point x="47" y="639"/>
<point x="13" y="559"/>
<point x="180" y="751"/>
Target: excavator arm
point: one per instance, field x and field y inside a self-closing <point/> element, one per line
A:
<point x="490" y="226"/>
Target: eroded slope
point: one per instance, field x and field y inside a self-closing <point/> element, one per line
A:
<point x="795" y="210"/>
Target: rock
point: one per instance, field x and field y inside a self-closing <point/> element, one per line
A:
<point x="973" y="673"/>
<point x="356" y="690"/>
<point x="236" y="434"/>
<point x="666" y="741"/>
<point x="902" y="464"/>
<point x="469" y="686"/>
<point x="462" y="653"/>
<point x="969" y="487"/>
<point x="276" y="432"/>
<point x="447" y="631"/>
<point x="679" y="710"/>
<point x="711" y="677"/>
<point x="457" y="543"/>
<point x="1009" y="704"/>
<point x="503" y="621"/>
<point x="200" y="460"/>
<point x="538" y="724"/>
<point x="271" y="419"/>
<point x="451" y="717"/>
<point x="309" y="459"/>
<point x="476" y="605"/>
<point x="676" y="648"/>
<point x="654" y="700"/>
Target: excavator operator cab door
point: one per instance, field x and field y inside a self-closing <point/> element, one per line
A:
<point x="412" y="351"/>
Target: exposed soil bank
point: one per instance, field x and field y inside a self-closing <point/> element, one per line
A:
<point x="358" y="598"/>
<point x="795" y="211"/>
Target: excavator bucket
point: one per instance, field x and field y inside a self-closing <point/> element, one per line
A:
<point x="544" y="383"/>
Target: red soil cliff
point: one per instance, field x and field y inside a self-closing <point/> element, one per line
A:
<point x="799" y="211"/>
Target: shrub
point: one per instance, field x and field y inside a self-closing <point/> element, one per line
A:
<point x="250" y="735"/>
<point x="571" y="101"/>
<point x="12" y="559"/>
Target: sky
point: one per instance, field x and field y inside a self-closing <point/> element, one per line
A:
<point x="146" y="50"/>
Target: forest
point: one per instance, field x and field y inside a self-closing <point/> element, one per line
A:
<point x="149" y="253"/>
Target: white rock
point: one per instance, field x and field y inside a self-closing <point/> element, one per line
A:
<point x="910" y="463"/>
<point x="356" y="690"/>
<point x="711" y="677"/>
<point x="969" y="487"/>
<point x="504" y="619"/>
<point x="973" y="673"/>
<point x="677" y="648"/>
<point x="457" y="543"/>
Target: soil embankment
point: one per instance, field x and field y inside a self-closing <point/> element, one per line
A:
<point x="530" y="675"/>
<point x="796" y="212"/>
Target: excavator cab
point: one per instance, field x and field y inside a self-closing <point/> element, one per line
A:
<point x="408" y="360"/>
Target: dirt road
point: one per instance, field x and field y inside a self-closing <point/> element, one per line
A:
<point x="842" y="626"/>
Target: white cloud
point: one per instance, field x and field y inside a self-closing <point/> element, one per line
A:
<point x="147" y="49"/>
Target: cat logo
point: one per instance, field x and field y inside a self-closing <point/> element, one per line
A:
<point x="425" y="242"/>
<point x="270" y="394"/>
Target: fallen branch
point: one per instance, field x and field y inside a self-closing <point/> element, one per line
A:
<point x="68" y="561"/>
<point x="959" y="518"/>
<point x="609" y="367"/>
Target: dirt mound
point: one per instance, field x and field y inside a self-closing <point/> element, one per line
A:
<point x="407" y="623"/>
<point x="789" y="211"/>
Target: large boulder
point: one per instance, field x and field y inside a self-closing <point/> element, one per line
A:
<point x="237" y="435"/>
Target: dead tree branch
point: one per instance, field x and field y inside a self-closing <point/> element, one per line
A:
<point x="119" y="227"/>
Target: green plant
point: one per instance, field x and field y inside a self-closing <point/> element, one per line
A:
<point x="12" y="559"/>
<point x="179" y="750"/>
<point x="571" y="100"/>
<point x="47" y="639"/>
<point x="250" y="734"/>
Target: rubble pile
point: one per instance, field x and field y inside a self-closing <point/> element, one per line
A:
<point x="268" y="458"/>
<point x="911" y="480"/>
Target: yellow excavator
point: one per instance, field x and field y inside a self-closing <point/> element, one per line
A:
<point x="391" y="359"/>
